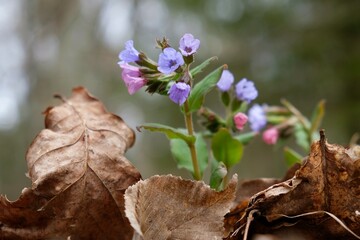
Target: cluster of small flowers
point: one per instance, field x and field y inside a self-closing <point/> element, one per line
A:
<point x="170" y="61"/>
<point x="245" y="91"/>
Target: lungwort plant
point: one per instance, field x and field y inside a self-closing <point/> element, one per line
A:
<point x="221" y="141"/>
<point x="83" y="186"/>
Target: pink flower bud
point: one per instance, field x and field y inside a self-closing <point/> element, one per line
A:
<point x="270" y="136"/>
<point x="240" y="119"/>
<point x="132" y="77"/>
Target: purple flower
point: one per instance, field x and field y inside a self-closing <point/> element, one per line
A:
<point x="226" y="80"/>
<point x="132" y="77"/>
<point x="169" y="60"/>
<point x="130" y="54"/>
<point x="188" y="44"/>
<point x="246" y="91"/>
<point x="179" y="92"/>
<point x="257" y="117"/>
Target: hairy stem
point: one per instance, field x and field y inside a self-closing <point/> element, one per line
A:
<point x="190" y="128"/>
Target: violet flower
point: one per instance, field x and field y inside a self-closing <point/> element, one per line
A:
<point x="225" y="81"/>
<point x="188" y="44"/>
<point x="257" y="117"/>
<point x="169" y="60"/>
<point x="245" y="90"/>
<point x="133" y="78"/>
<point x="179" y="92"/>
<point x="130" y="54"/>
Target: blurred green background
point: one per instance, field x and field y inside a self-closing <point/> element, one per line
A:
<point x="303" y="51"/>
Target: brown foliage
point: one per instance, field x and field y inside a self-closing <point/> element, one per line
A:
<point x="79" y="175"/>
<point x="168" y="207"/>
<point x="321" y="201"/>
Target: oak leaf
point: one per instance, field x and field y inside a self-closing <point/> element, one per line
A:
<point x="79" y="175"/>
<point x="168" y="207"/>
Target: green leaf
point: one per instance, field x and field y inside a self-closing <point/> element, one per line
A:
<point x="166" y="78"/>
<point x="302" y="137"/>
<point x="226" y="149"/>
<point x="200" y="67"/>
<point x="276" y="119"/>
<point x="170" y="132"/>
<point x="245" y="138"/>
<point x="291" y="156"/>
<point x="199" y="91"/>
<point x="317" y="116"/>
<point x="181" y="152"/>
<point x="218" y="172"/>
<point x="202" y="153"/>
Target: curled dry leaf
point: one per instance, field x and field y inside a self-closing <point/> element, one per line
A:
<point x="248" y="188"/>
<point x="79" y="175"/>
<point x="168" y="207"/>
<point x="322" y="200"/>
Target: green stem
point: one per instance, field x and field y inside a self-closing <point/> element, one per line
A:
<point x="190" y="128"/>
<point x="228" y="116"/>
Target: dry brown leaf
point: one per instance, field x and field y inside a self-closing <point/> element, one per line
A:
<point x="168" y="207"/>
<point x="324" y="191"/>
<point x="79" y="175"/>
<point x="248" y="188"/>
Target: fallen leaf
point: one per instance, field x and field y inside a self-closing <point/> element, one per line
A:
<point x="323" y="198"/>
<point x="168" y="207"/>
<point x="246" y="189"/>
<point x="79" y="175"/>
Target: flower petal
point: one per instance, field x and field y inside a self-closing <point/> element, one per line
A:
<point x="226" y="80"/>
<point x="179" y="92"/>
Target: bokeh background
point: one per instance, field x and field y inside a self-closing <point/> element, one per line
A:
<point x="303" y="51"/>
